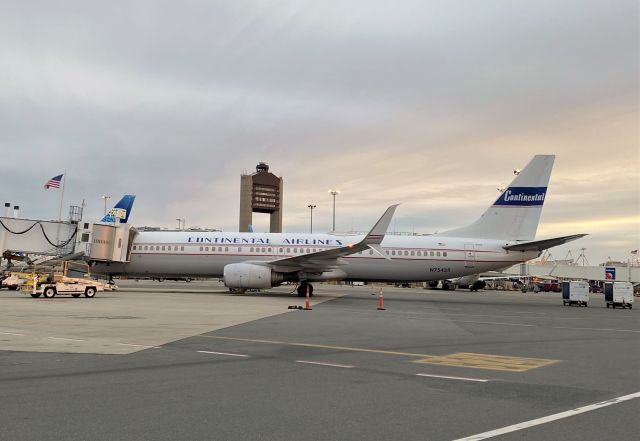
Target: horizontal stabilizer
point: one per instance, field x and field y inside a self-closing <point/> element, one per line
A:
<point x="540" y="245"/>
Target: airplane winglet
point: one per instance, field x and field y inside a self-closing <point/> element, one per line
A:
<point x="379" y="230"/>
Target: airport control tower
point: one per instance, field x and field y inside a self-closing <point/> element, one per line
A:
<point x="261" y="192"/>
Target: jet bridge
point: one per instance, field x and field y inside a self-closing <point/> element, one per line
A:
<point x="105" y="242"/>
<point x="31" y="236"/>
<point x="34" y="240"/>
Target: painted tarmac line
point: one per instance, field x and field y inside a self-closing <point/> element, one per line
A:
<point x="222" y="353"/>
<point x="596" y="329"/>
<point x="12" y="333"/>
<point x="550" y="418"/>
<point x="65" y="339"/>
<point x="139" y="346"/>
<point x="318" y="346"/>
<point x="447" y="377"/>
<point x="345" y="366"/>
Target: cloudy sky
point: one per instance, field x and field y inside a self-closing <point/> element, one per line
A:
<point x="427" y="103"/>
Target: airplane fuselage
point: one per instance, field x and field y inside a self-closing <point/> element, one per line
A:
<point x="410" y="258"/>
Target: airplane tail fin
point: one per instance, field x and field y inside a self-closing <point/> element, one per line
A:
<point x="516" y="213"/>
<point x="121" y="211"/>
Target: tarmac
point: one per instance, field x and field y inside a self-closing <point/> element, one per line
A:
<point x="178" y="361"/>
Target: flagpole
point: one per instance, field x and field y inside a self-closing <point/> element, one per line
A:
<point x="64" y="181"/>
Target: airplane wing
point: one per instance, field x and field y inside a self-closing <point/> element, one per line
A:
<point x="329" y="259"/>
<point x="539" y="245"/>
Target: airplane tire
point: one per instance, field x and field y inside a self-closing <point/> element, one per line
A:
<point x="90" y="292"/>
<point x="49" y="293"/>
<point x="302" y="290"/>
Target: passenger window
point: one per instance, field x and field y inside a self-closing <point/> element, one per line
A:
<point x="269" y="250"/>
<point x="239" y="249"/>
<point x="157" y="247"/>
<point x="413" y="253"/>
<point x="219" y="249"/>
<point x="134" y="247"/>
<point x="431" y="253"/>
<point x="288" y="250"/>
<point x="251" y="250"/>
<point x="206" y="248"/>
<point x="146" y="247"/>
<point x="386" y="252"/>
<point x="226" y="249"/>
<point x="371" y="252"/>
<point x="181" y="248"/>
<point x="201" y="248"/>
<point x="281" y="250"/>
<point x="295" y="250"/>
<point x="162" y="247"/>
<point x="444" y="253"/>
<point x="308" y="250"/>
<point x="393" y="253"/>
<point x="438" y="253"/>
<point x="406" y="253"/>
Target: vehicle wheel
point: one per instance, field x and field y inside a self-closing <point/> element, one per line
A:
<point x="302" y="290"/>
<point x="76" y="295"/>
<point x="35" y="296"/>
<point x="49" y="293"/>
<point x="90" y="292"/>
<point x="13" y="287"/>
<point x="607" y="306"/>
<point x="310" y="290"/>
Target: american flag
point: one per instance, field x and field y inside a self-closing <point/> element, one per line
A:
<point x="53" y="182"/>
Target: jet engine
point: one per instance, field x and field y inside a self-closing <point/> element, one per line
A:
<point x="252" y="276"/>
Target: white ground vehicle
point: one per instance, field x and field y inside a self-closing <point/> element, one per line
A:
<point x="69" y="285"/>
<point x="12" y="282"/>
<point x="618" y="294"/>
<point x="575" y="293"/>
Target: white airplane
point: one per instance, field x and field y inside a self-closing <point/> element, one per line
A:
<point x="503" y="236"/>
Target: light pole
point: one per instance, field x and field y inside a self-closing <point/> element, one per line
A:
<point x="180" y="223"/>
<point x="334" y="193"/>
<point x="311" y="207"/>
<point x="106" y="198"/>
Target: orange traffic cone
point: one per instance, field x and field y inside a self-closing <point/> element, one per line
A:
<point x="307" y="304"/>
<point x="381" y="301"/>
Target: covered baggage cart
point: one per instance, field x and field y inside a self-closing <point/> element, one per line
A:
<point x="575" y="293"/>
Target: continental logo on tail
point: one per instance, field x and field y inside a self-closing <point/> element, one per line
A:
<point x="522" y="197"/>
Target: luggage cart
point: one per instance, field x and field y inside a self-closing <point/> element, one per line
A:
<point x="575" y="293"/>
<point x="618" y="294"/>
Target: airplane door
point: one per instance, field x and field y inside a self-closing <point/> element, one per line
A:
<point x="469" y="255"/>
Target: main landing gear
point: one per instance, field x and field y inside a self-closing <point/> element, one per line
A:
<point x="302" y="289"/>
